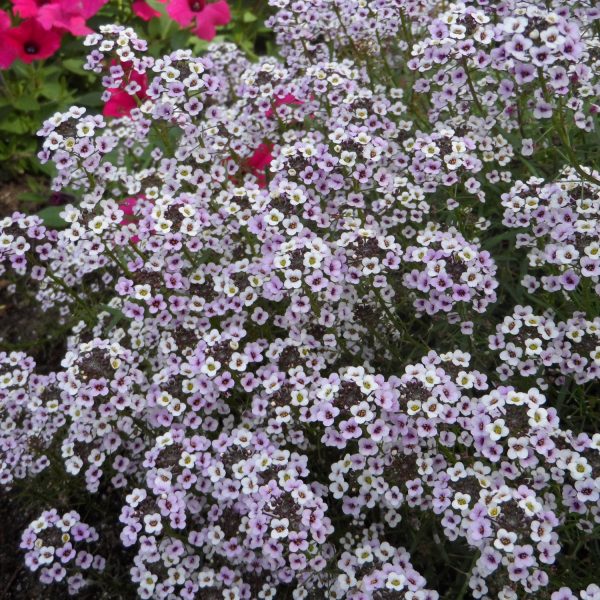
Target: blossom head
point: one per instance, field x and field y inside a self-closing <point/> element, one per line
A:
<point x="30" y="41"/>
<point x="205" y="16"/>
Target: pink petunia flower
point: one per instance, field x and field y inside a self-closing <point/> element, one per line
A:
<point x="121" y="103"/>
<point x="127" y="206"/>
<point x="7" y="53"/>
<point x="30" y="41"/>
<point x="279" y="101"/>
<point x="259" y="161"/>
<point x="144" y="11"/>
<point x="205" y="15"/>
<point x="28" y="8"/>
<point x="70" y="15"/>
<point x="4" y="20"/>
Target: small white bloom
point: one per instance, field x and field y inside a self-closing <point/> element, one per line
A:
<point x="279" y="528"/>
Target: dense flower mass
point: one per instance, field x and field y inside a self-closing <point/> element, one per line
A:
<point x="332" y="317"/>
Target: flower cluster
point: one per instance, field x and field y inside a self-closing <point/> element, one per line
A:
<point x="528" y="342"/>
<point x="540" y="58"/>
<point x="452" y="271"/>
<point x="562" y="226"/>
<point x="54" y="545"/>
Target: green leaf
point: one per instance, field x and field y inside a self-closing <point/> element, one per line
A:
<point x="26" y="103"/>
<point x="157" y="5"/>
<point x="116" y="315"/>
<point x="249" y="17"/>
<point x="52" y="90"/>
<point x="47" y="168"/>
<point x="51" y="217"/>
<point x="198" y="45"/>
<point x="50" y="70"/>
<point x="22" y="70"/>
<point x="179" y="39"/>
<point x="75" y="65"/>
<point x="153" y="28"/>
<point x="14" y="126"/>
<point x="490" y="243"/>
<point x="91" y="99"/>
<point x="33" y="197"/>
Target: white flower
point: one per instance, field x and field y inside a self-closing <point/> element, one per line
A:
<point x="338" y="489"/>
<point x="187" y="459"/>
<point x="348" y="158"/>
<point x="152" y="523"/>
<point x="364" y="555"/>
<point x="136" y="496"/>
<point x="517" y="448"/>
<point x="216" y="472"/>
<point x="579" y="468"/>
<point x="514" y="24"/>
<point x="430" y="150"/>
<point x="85" y="129"/>
<point x="166" y="439"/>
<point x="465" y="380"/>
<point x="368" y="384"/>
<point x="530" y="506"/>
<point x="362" y="412"/>
<point x="274" y="217"/>
<point x="497" y="429"/>
<point x="510" y="325"/>
<point x="279" y="528"/>
<point x="176" y="408"/>
<point x="395" y="581"/>
<point x="142" y="292"/>
<point x="516" y="398"/>
<point x="46" y="555"/>
<point x="238" y="362"/>
<point x="215" y="535"/>
<point x="293" y="279"/>
<point x="533" y="346"/>
<point x="429" y="378"/>
<point x="164" y="399"/>
<point x="73" y="465"/>
<point x="453" y="160"/>
<point x="299" y="398"/>
<point x="313" y="259"/>
<point x="39" y="524"/>
<point x="505" y="540"/>
<point x="538" y="416"/>
<point x="461" y="501"/>
<point x="283" y="414"/>
<point x="98" y="224"/>
<point x="210" y="367"/>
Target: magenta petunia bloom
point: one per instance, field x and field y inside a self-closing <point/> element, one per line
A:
<point x="259" y="161"/>
<point x="127" y="206"/>
<point x="7" y="53"/>
<point x="30" y="41"/>
<point x="28" y="8"/>
<point x="70" y="15"/>
<point x="261" y="158"/>
<point x="121" y="102"/>
<point x="206" y="15"/>
<point x="144" y="11"/>
<point x="4" y="20"/>
<point x="279" y="101"/>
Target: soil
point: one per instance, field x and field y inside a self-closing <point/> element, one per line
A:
<point x="9" y="197"/>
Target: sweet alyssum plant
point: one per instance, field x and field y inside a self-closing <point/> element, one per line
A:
<point x="333" y="316"/>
